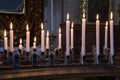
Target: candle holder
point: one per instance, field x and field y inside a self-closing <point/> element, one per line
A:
<point x="5" y="56"/>
<point x="111" y="58"/>
<point x="67" y="59"/>
<point x="34" y="49"/>
<point x="42" y="57"/>
<point x="72" y="53"/>
<point x="60" y="53"/>
<point x="34" y="59"/>
<point x="52" y="52"/>
<point x="16" y="59"/>
<point x="82" y="59"/>
<point x="27" y="58"/>
<point x="47" y="55"/>
<point x="51" y="58"/>
<point x="10" y="57"/>
<point x="104" y="57"/>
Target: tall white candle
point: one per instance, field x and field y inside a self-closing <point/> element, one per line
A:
<point x="42" y="38"/>
<point x="72" y="36"/>
<point x="47" y="40"/>
<point x="27" y="39"/>
<point x="97" y="35"/>
<point x="106" y="34"/>
<point x="34" y="43"/>
<point x="67" y="35"/>
<point x="20" y="44"/>
<point x="83" y="34"/>
<point x="5" y="41"/>
<point x="111" y="35"/>
<point x="11" y="38"/>
<point x="59" y="39"/>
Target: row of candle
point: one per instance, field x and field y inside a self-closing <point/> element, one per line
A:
<point x="97" y="35"/>
<point x="28" y="39"/>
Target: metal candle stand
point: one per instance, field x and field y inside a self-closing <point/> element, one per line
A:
<point x="42" y="57"/>
<point x="16" y="59"/>
<point x="10" y="57"/>
<point x="27" y="56"/>
<point x="67" y="59"/>
<point x="34" y="58"/>
<point x="52" y="52"/>
<point x="5" y="56"/>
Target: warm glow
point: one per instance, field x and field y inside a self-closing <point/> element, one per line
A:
<point x="41" y="25"/>
<point x="97" y="17"/>
<point x="4" y="33"/>
<point x="72" y="24"/>
<point x="68" y="16"/>
<point x="35" y="39"/>
<point x="106" y="23"/>
<point x="111" y="15"/>
<point x="83" y="15"/>
<point x="59" y="30"/>
<point x="11" y="25"/>
<point x="20" y="40"/>
<point x="47" y="33"/>
<point x="27" y="27"/>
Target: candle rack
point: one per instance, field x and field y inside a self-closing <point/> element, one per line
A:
<point x="52" y="52"/>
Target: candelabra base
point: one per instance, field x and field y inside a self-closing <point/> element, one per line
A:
<point x="82" y="59"/>
<point x="34" y="59"/>
<point x="10" y="57"/>
<point x="5" y="56"/>
<point x="34" y="50"/>
<point x="51" y="58"/>
<point x="27" y="56"/>
<point x="42" y="57"/>
<point x="67" y="59"/>
<point x="111" y="59"/>
<point x="96" y="59"/>
<point x="16" y="59"/>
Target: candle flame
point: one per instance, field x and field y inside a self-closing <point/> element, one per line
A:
<point x="106" y="23"/>
<point x="27" y="27"/>
<point x="41" y="25"/>
<point x="20" y="40"/>
<point x="47" y="33"/>
<point x="111" y="15"/>
<point x="4" y="33"/>
<point x="72" y="24"/>
<point x="11" y="25"/>
<point x="35" y="39"/>
<point x="59" y="30"/>
<point x="68" y="16"/>
<point x="97" y="17"/>
<point x="83" y="15"/>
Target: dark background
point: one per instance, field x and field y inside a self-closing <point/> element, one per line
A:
<point x="98" y="7"/>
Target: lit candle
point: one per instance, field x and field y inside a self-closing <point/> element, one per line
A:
<point x="106" y="34"/>
<point x="111" y="35"/>
<point x="34" y="43"/>
<point x="20" y="44"/>
<point x="72" y="36"/>
<point x="83" y="35"/>
<point x="47" y="40"/>
<point x="67" y="35"/>
<point x="27" y="39"/>
<point x="97" y="35"/>
<point x="5" y="41"/>
<point x="42" y="38"/>
<point x="59" y="43"/>
<point x="11" y="38"/>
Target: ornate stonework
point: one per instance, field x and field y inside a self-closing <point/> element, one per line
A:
<point x="34" y="10"/>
